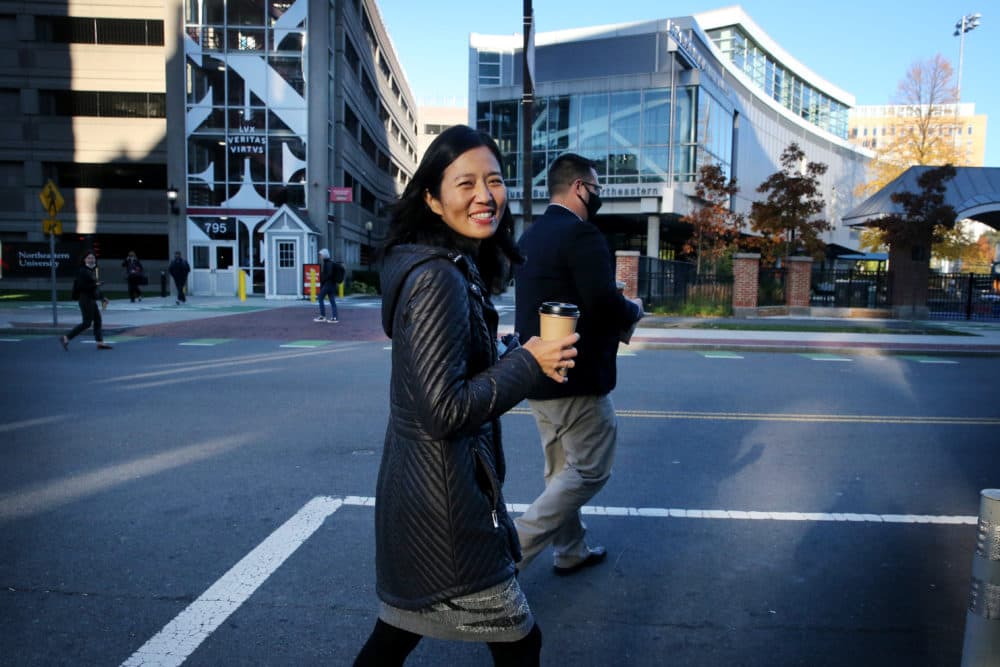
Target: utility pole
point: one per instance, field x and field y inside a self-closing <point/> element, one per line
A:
<point x="527" y="109"/>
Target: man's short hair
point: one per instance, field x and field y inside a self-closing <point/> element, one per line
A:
<point x="567" y="168"/>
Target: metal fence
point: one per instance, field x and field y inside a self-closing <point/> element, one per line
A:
<point x="673" y="285"/>
<point x="850" y="289"/>
<point x="771" y="286"/>
<point x="963" y="296"/>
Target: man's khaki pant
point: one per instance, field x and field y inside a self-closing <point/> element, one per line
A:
<point x="578" y="439"/>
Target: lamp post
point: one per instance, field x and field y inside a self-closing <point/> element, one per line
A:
<point x="368" y="228"/>
<point x="172" y="199"/>
<point x="967" y="23"/>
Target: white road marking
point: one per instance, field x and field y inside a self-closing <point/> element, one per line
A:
<point x="57" y="493"/>
<point x="794" y="417"/>
<point x="179" y="639"/>
<point x="26" y="423"/>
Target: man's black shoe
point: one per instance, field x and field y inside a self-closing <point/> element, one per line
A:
<point x="596" y="556"/>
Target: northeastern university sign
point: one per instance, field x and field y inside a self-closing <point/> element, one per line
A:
<point x="629" y="191"/>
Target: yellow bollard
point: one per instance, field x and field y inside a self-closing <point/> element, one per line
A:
<point x="340" y="290"/>
<point x="242" y="280"/>
<point x="312" y="286"/>
<point x="981" y="647"/>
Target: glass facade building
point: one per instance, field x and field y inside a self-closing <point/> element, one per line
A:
<point x="780" y="82"/>
<point x="635" y="136"/>
<point x="651" y="103"/>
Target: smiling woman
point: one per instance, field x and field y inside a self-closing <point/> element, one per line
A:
<point x="473" y="196"/>
<point x="445" y="546"/>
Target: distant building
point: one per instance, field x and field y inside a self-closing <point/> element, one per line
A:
<point x="436" y="119"/>
<point x="280" y="127"/>
<point x="289" y="143"/>
<point x="876" y="126"/>
<point x="651" y="102"/>
<point x="83" y="98"/>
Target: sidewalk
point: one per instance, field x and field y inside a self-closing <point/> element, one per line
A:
<point x="360" y="319"/>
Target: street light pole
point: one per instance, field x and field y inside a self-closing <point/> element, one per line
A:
<point x="967" y="23"/>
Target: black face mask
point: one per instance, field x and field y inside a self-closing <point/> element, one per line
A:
<point x="593" y="204"/>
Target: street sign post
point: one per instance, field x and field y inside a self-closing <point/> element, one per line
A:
<point x="52" y="201"/>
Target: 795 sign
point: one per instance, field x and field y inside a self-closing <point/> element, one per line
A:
<point x="219" y="229"/>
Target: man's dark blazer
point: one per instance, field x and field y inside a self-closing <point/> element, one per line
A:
<point x="567" y="259"/>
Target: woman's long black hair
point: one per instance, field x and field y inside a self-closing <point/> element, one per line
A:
<point x="412" y="221"/>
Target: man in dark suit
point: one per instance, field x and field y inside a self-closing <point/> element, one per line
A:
<point x="567" y="259"/>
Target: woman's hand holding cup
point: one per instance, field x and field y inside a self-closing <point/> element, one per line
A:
<point x="554" y="356"/>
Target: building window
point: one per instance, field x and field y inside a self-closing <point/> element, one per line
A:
<point x="369" y="90"/>
<point x="121" y="176"/>
<point x="350" y="120"/>
<point x="71" y="103"/>
<point x="351" y="55"/>
<point x="368" y="200"/>
<point x="286" y="254"/>
<point x="774" y="81"/>
<point x="82" y="30"/>
<point x="489" y="68"/>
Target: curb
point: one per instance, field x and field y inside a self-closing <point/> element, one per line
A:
<point x="868" y="349"/>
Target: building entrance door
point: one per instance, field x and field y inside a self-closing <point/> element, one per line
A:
<point x="286" y="270"/>
<point x="213" y="268"/>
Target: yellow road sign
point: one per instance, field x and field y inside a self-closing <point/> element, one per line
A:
<point x="51" y="198"/>
<point x="52" y="226"/>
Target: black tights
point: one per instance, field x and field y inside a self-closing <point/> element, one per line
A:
<point x="388" y="646"/>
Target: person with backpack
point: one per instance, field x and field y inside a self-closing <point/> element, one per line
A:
<point x="179" y="270"/>
<point x="330" y="275"/>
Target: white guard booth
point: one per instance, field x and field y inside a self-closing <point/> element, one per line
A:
<point x="289" y="243"/>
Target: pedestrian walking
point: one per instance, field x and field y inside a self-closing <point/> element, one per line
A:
<point x="87" y="292"/>
<point x="330" y="276"/>
<point x="445" y="547"/>
<point x="135" y="276"/>
<point x="567" y="260"/>
<point x="179" y="270"/>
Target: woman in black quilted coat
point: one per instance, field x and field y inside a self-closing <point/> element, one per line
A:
<point x="445" y="547"/>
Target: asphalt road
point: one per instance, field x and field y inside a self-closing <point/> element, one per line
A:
<point x="215" y="499"/>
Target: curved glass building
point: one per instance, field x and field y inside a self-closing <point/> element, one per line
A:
<point x="652" y="102"/>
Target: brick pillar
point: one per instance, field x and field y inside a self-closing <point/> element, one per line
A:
<point x="746" y="281"/>
<point x="627" y="271"/>
<point x="909" y="270"/>
<point x="797" y="284"/>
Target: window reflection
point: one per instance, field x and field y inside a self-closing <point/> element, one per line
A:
<point x="633" y="136"/>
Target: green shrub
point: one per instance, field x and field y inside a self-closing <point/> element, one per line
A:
<point x="358" y="287"/>
<point x="369" y="280"/>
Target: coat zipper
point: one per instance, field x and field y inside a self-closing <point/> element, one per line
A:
<point x="494" y="495"/>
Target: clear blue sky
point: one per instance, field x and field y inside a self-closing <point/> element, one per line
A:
<point x="862" y="47"/>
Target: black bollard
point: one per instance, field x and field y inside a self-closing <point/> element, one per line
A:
<point x="164" y="290"/>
